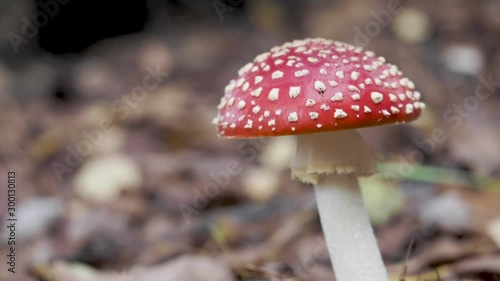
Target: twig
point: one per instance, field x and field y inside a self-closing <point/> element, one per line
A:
<point x="437" y="274"/>
<point x="402" y="276"/>
<point x="220" y="240"/>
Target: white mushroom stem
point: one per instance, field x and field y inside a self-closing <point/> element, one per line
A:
<point x="349" y="235"/>
<point x="332" y="162"/>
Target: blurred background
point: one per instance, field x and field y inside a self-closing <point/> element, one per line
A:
<point x="105" y="117"/>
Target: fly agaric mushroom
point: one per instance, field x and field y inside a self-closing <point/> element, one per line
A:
<point x="320" y="90"/>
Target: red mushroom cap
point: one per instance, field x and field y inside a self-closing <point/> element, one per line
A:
<point x="312" y="86"/>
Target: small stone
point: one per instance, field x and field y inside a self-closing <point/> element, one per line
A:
<point x="103" y="179"/>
